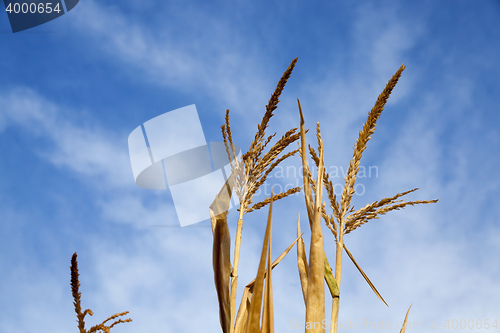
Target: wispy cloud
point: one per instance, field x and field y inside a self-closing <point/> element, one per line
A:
<point x="212" y="66"/>
<point x="93" y="152"/>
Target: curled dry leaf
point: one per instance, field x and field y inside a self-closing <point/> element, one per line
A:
<point x="222" y="269"/>
<point x="221" y="256"/>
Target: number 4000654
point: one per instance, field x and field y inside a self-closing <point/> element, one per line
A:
<point x="32" y="8"/>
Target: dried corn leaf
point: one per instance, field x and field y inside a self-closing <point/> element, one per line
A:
<point x="222" y="268"/>
<point x="364" y="275"/>
<point x="242" y="316"/>
<point x="315" y="302"/>
<point x="305" y="168"/>
<point x="222" y="201"/>
<point x="256" y="304"/>
<point x="330" y="280"/>
<point x="275" y="262"/>
<point x="221" y="255"/>
<point x="403" y="329"/>
<point x="268" y="312"/>
<point x="302" y="262"/>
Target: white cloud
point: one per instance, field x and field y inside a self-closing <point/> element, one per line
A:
<point x="93" y="152"/>
<point x="212" y="66"/>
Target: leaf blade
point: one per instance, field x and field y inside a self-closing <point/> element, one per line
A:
<point x="403" y="329"/>
<point x="364" y="275"/>
<point x="253" y="324"/>
<point x="268" y="317"/>
<point x="242" y="316"/>
<point x="302" y="262"/>
<point x="330" y="280"/>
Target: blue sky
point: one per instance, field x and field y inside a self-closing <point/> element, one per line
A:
<point x="72" y="90"/>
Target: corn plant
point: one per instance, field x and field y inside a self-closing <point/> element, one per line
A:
<point x="255" y="313"/>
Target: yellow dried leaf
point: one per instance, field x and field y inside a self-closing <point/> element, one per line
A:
<point x="364" y="275"/>
<point x="315" y="302"/>
<point x="268" y="312"/>
<point x="242" y="316"/>
<point x="330" y="280"/>
<point x="305" y="168"/>
<point x="253" y="325"/>
<point x="403" y="329"/>
<point x="302" y="262"/>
